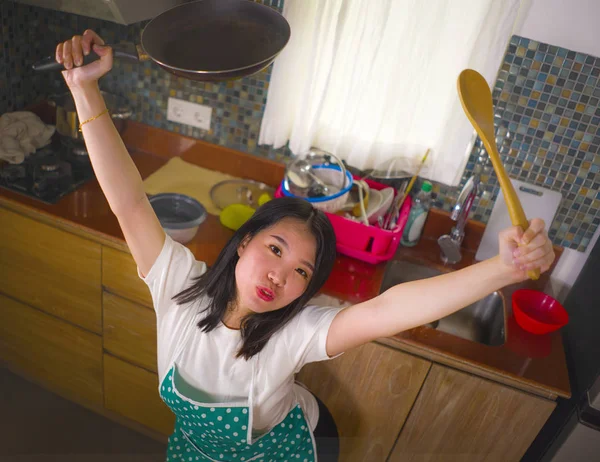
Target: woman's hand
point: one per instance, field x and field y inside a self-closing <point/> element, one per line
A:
<point x="71" y="52"/>
<point x="535" y="251"/>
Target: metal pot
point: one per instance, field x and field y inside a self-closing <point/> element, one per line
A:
<point x="67" y="122"/>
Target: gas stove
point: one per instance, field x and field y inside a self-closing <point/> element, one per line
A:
<point x="48" y="174"/>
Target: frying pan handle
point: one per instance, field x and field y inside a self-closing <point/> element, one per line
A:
<point x="119" y="51"/>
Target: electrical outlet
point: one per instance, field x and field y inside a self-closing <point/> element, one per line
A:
<point x="184" y="112"/>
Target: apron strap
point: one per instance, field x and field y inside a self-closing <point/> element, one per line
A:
<point x="255" y="366"/>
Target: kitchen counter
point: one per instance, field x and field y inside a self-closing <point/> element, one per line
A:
<point x="532" y="363"/>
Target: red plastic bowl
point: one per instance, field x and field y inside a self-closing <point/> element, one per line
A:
<point x="537" y="312"/>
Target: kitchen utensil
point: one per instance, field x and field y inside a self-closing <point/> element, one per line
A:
<point x="239" y="191"/>
<point x="305" y="180"/>
<point x="179" y="176"/>
<point x="206" y="40"/>
<point x="179" y="215"/>
<point x="326" y="203"/>
<point x="375" y="213"/>
<point x="301" y="174"/>
<point x="413" y="179"/>
<point x="67" y="122"/>
<point x="235" y="215"/>
<point x="476" y="99"/>
<point x="537" y="312"/>
<point x="393" y="172"/>
<point x="535" y="200"/>
<point x="390" y="215"/>
<point x="360" y="209"/>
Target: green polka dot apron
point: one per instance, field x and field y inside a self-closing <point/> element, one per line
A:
<point x="222" y="432"/>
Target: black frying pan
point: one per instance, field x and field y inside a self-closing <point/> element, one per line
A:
<point x="206" y="40"/>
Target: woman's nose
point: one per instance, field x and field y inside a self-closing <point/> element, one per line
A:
<point x="277" y="277"/>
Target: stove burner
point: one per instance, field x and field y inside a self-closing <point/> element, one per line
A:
<point x="49" y="167"/>
<point x="48" y="174"/>
<point x="13" y="172"/>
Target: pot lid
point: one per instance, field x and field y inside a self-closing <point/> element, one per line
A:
<point x="239" y="191"/>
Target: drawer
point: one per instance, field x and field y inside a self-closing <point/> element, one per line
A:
<point x="51" y="269"/>
<point x="133" y="393"/>
<point x="129" y="331"/>
<point x="65" y="358"/>
<point x="119" y="275"/>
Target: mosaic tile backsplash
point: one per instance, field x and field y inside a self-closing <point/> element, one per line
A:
<point x="548" y="133"/>
<point x="546" y="100"/>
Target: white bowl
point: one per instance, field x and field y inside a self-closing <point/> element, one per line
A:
<point x="379" y="206"/>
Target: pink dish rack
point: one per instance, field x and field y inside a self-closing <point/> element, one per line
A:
<point x="367" y="243"/>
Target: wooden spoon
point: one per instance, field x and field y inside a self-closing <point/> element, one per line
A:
<point x="476" y="99"/>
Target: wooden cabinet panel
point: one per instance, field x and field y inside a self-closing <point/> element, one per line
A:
<point x="66" y="358"/>
<point x="51" y="270"/>
<point x="129" y="331"/>
<point x="462" y="417"/>
<point x="133" y="392"/>
<point x="119" y="275"/>
<point x="369" y="391"/>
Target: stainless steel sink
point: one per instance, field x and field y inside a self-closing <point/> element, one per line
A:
<point x="482" y="321"/>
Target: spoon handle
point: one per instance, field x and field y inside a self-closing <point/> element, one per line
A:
<point x="513" y="204"/>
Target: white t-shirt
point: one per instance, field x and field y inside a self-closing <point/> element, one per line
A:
<point x="208" y="370"/>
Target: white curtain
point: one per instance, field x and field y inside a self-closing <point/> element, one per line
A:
<point x="371" y="80"/>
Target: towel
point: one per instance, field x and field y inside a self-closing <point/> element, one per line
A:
<point x="179" y="176"/>
<point x="21" y="133"/>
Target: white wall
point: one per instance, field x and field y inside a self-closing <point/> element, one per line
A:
<point x="571" y="24"/>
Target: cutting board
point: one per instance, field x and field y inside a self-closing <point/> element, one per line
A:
<point x="537" y="202"/>
<point x="179" y="176"/>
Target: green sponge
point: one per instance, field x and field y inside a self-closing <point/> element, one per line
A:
<point x="235" y="215"/>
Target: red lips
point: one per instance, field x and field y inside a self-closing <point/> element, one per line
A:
<point x="265" y="294"/>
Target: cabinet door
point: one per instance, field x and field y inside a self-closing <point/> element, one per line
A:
<point x="55" y="353"/>
<point x="133" y="392"/>
<point x="369" y="391"/>
<point x="119" y="276"/>
<point x="462" y="417"/>
<point x="129" y="331"/>
<point x="51" y="269"/>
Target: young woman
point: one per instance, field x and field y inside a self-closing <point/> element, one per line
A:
<point x="232" y="337"/>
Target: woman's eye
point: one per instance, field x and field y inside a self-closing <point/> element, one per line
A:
<point x="276" y="250"/>
<point x="302" y="273"/>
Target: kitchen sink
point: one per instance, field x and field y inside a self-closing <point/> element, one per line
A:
<point x="482" y="321"/>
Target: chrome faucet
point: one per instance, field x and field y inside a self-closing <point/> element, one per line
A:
<point x="450" y="243"/>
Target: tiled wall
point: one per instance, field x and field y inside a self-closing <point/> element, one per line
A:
<point x="546" y="102"/>
<point x="548" y="134"/>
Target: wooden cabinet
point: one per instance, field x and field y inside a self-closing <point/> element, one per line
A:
<point x="51" y="269"/>
<point x="458" y="416"/>
<point x="129" y="331"/>
<point x="66" y="358"/>
<point x="119" y="276"/>
<point x="58" y="327"/>
<point x="369" y="391"/>
<point x="133" y="393"/>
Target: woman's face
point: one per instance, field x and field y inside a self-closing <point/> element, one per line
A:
<point x="275" y="266"/>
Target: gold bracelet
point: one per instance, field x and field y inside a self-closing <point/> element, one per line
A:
<point x="93" y="118"/>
